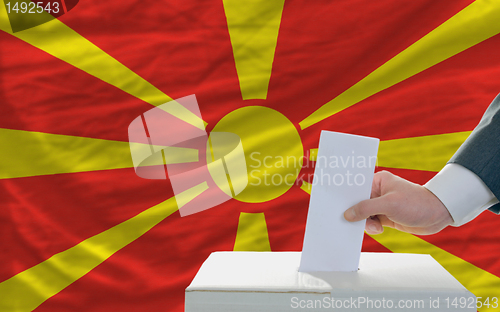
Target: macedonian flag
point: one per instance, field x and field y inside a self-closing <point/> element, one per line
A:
<point x="82" y="230"/>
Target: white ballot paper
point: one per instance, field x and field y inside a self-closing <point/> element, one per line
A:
<point x="343" y="176"/>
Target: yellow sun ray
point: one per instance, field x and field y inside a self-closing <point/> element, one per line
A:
<point x="306" y="187"/>
<point x="26" y="153"/>
<point x="480" y="282"/>
<point x="252" y="233"/>
<point x="30" y="288"/>
<point x="427" y="153"/>
<point x="253" y="29"/>
<point x="188" y="195"/>
<point x="474" y="24"/>
<point x="64" y="43"/>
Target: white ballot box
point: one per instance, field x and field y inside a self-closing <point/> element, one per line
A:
<point x="271" y="282"/>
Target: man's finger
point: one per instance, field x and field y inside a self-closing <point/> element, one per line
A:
<point x="373" y="226"/>
<point x="367" y="208"/>
<point x="384" y="221"/>
<point x="380" y="179"/>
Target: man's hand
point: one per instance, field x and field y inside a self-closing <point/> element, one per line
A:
<point x="400" y="204"/>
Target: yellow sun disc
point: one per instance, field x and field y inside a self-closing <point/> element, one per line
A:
<point x="272" y="148"/>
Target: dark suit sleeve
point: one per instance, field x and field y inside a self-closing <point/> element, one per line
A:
<point x="480" y="153"/>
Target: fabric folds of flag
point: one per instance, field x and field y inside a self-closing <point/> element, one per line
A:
<point x="80" y="231"/>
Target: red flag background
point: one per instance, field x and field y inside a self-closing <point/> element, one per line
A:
<point x="69" y="88"/>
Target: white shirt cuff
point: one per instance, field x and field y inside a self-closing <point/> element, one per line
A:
<point x="462" y="192"/>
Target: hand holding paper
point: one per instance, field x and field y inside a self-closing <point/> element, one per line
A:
<point x="400" y="204"/>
